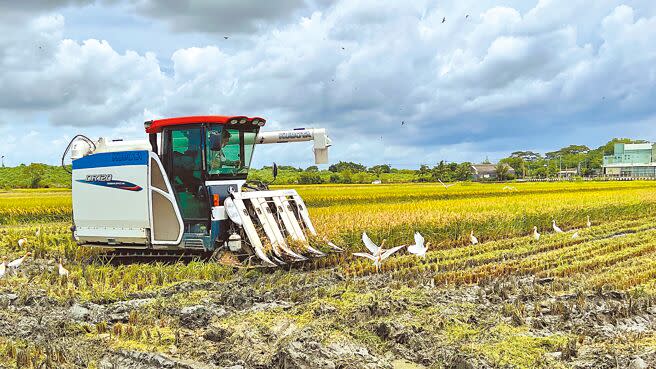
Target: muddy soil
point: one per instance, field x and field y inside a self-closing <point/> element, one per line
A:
<point x="320" y="319"/>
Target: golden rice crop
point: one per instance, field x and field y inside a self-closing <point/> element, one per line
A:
<point x="501" y="219"/>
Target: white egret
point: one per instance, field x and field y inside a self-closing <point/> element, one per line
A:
<point x="378" y="253"/>
<point x="472" y="238"/>
<point x="15" y="264"/>
<point x="419" y="248"/>
<point x="536" y="235"/>
<point x="63" y="272"/>
<point x="555" y="227"/>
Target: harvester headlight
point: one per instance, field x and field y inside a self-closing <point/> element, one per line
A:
<point x="242" y="121"/>
<point x="233" y="121"/>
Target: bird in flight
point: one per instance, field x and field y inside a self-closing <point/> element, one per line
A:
<point x="403" y="123"/>
<point x="443" y="19"/>
<point x="378" y="253"/>
<point x="466" y="16"/>
<point x="225" y="37"/>
<point x="446" y="185"/>
<point x="419" y="248"/>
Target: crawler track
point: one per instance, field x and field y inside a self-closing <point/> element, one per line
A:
<point x="137" y="256"/>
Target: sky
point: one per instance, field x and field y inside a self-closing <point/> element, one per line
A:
<point x="397" y="82"/>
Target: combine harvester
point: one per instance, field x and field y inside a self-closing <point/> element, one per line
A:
<point x="184" y="191"/>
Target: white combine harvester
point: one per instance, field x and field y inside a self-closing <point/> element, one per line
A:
<point x="184" y="190"/>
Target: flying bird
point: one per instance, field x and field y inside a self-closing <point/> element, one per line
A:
<point x="22" y="242"/>
<point x="472" y="238"/>
<point x="419" y="248"/>
<point x="536" y="235"/>
<point x="443" y="19"/>
<point x="446" y="185"/>
<point x="403" y="123"/>
<point x="63" y="272"/>
<point x="555" y="227"/>
<point x="15" y="264"/>
<point x="575" y="234"/>
<point x="225" y="37"/>
<point x="466" y="16"/>
<point x="378" y="254"/>
<point x="588" y="223"/>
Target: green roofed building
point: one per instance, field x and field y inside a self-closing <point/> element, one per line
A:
<point x="631" y="160"/>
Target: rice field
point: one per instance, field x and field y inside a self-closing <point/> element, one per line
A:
<point x="616" y="254"/>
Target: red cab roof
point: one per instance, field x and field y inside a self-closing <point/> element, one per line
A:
<point x="155" y="126"/>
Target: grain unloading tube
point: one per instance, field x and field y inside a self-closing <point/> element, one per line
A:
<point x="318" y="135"/>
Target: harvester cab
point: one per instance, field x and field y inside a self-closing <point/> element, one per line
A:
<point x="185" y="189"/>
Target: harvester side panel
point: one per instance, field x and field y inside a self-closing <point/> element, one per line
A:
<point x="110" y="197"/>
<point x="167" y="225"/>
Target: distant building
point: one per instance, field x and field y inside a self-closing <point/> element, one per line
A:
<point x="568" y="173"/>
<point x="488" y="172"/>
<point x="631" y="160"/>
<point x="378" y="181"/>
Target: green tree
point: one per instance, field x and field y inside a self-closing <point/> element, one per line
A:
<point x="502" y="170"/>
<point x="310" y="178"/>
<point x="347" y="165"/>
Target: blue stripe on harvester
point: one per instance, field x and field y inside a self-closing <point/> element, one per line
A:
<point x="112" y="159"/>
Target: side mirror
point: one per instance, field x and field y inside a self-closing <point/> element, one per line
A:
<point x="275" y="171"/>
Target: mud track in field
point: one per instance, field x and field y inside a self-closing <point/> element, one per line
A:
<point x="322" y="320"/>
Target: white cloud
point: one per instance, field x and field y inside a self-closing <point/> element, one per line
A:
<point x="468" y="85"/>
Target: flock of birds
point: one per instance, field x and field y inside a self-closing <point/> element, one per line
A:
<point x="378" y="253"/>
<point x="13" y="266"/>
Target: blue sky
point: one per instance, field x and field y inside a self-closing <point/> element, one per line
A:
<point x="494" y="77"/>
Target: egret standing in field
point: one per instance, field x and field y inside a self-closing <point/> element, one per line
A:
<point x="63" y="272"/>
<point x="555" y="227"/>
<point x="15" y="264"/>
<point x="575" y="234"/>
<point x="588" y="223"/>
<point x="472" y="238"/>
<point x="22" y="242"/>
<point x="38" y="232"/>
<point x="378" y="254"/>
<point x="419" y="248"/>
<point x="536" y="235"/>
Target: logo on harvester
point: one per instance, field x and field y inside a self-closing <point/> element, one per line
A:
<point x="106" y="180"/>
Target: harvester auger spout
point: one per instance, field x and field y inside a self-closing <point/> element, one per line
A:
<point x="185" y="190"/>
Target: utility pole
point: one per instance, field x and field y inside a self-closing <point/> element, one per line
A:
<point x="3" y="161"/>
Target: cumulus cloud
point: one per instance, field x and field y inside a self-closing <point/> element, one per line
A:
<point x="77" y="83"/>
<point x="226" y="16"/>
<point x="490" y="79"/>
